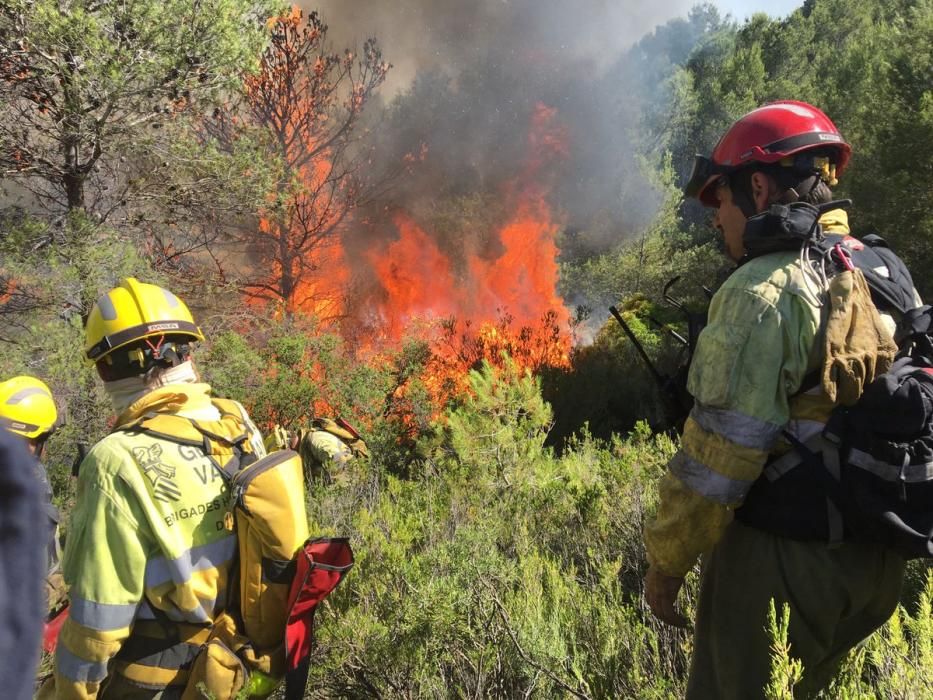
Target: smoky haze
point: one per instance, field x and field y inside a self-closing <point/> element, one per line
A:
<point x="450" y="34"/>
<point x="467" y="82"/>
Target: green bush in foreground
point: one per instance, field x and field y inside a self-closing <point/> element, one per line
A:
<point x="502" y="570"/>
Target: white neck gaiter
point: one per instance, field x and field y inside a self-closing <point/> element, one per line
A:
<point x="125" y="392"/>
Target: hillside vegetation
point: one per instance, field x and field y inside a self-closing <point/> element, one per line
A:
<point x="497" y="525"/>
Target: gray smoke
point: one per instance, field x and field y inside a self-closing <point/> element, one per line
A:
<point x="468" y="78"/>
<point x="422" y="35"/>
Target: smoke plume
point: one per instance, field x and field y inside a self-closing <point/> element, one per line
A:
<point x="421" y="35"/>
<point x="463" y="107"/>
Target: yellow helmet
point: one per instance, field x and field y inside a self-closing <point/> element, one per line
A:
<point x="132" y="312"/>
<point x="27" y="407"/>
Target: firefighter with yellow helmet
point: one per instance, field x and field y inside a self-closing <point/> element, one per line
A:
<point x="27" y="409"/>
<point x="326" y="446"/>
<point x="149" y="550"/>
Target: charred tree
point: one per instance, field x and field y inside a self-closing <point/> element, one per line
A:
<point x="310" y="100"/>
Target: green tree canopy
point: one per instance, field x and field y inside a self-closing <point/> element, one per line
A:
<point x="84" y="84"/>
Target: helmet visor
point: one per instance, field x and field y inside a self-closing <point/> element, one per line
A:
<point x="704" y="169"/>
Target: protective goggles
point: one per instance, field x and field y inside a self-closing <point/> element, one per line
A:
<point x="703" y="170"/>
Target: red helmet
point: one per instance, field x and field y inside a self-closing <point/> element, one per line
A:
<point x="769" y="134"/>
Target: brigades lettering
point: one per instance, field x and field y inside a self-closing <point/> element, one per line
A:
<point x="194" y="511"/>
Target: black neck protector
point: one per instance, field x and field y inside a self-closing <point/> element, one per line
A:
<point x="785" y="227"/>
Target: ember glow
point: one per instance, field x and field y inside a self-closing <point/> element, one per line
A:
<point x="468" y="305"/>
<point x="506" y="302"/>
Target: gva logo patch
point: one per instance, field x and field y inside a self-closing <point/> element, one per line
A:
<point x="160" y="475"/>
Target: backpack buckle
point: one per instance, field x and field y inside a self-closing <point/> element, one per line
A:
<point x="902" y="475"/>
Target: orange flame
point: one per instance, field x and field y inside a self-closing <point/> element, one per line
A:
<point x="416" y="280"/>
<point x="8" y="287"/>
<point x="506" y="303"/>
<point x="474" y="310"/>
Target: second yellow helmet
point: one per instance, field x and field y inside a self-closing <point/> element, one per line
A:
<point x="27" y="407"/>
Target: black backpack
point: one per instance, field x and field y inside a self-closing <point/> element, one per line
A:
<point x="869" y="475"/>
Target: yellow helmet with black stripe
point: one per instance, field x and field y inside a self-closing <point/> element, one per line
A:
<point x="132" y="312"/>
<point x="27" y="407"/>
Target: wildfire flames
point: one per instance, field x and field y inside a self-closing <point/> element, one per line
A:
<point x="508" y="302"/>
<point x="473" y="308"/>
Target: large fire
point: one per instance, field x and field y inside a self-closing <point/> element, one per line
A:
<point x="472" y="308"/>
<point x="508" y="301"/>
<point x="504" y="303"/>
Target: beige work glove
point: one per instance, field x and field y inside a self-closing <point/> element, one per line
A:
<point x="858" y="345"/>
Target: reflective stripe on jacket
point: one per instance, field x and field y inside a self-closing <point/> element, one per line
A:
<point x="147" y="542"/>
<point x="761" y="342"/>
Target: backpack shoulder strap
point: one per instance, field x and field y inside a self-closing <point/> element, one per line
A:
<point x="236" y="410"/>
<point x="225" y="442"/>
<point x="892" y="287"/>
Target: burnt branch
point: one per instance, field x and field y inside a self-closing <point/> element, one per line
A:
<point x="309" y="100"/>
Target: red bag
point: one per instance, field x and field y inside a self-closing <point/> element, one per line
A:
<point x="321" y="564"/>
<point x="51" y="629"/>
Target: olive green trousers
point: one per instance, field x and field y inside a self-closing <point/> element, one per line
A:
<point x="837" y="596"/>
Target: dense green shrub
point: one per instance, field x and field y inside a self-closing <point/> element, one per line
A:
<point x="500" y="570"/>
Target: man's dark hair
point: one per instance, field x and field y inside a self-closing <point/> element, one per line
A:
<point x="795" y="185"/>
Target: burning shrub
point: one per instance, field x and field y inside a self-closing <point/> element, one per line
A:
<point x="309" y="101"/>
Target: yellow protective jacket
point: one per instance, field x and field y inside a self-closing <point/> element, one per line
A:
<point x="763" y="338"/>
<point x="148" y="553"/>
<point x="320" y="449"/>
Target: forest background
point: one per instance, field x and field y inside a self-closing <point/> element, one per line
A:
<point x="435" y="266"/>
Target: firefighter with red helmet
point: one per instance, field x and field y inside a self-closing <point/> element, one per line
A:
<point x="769" y="181"/>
